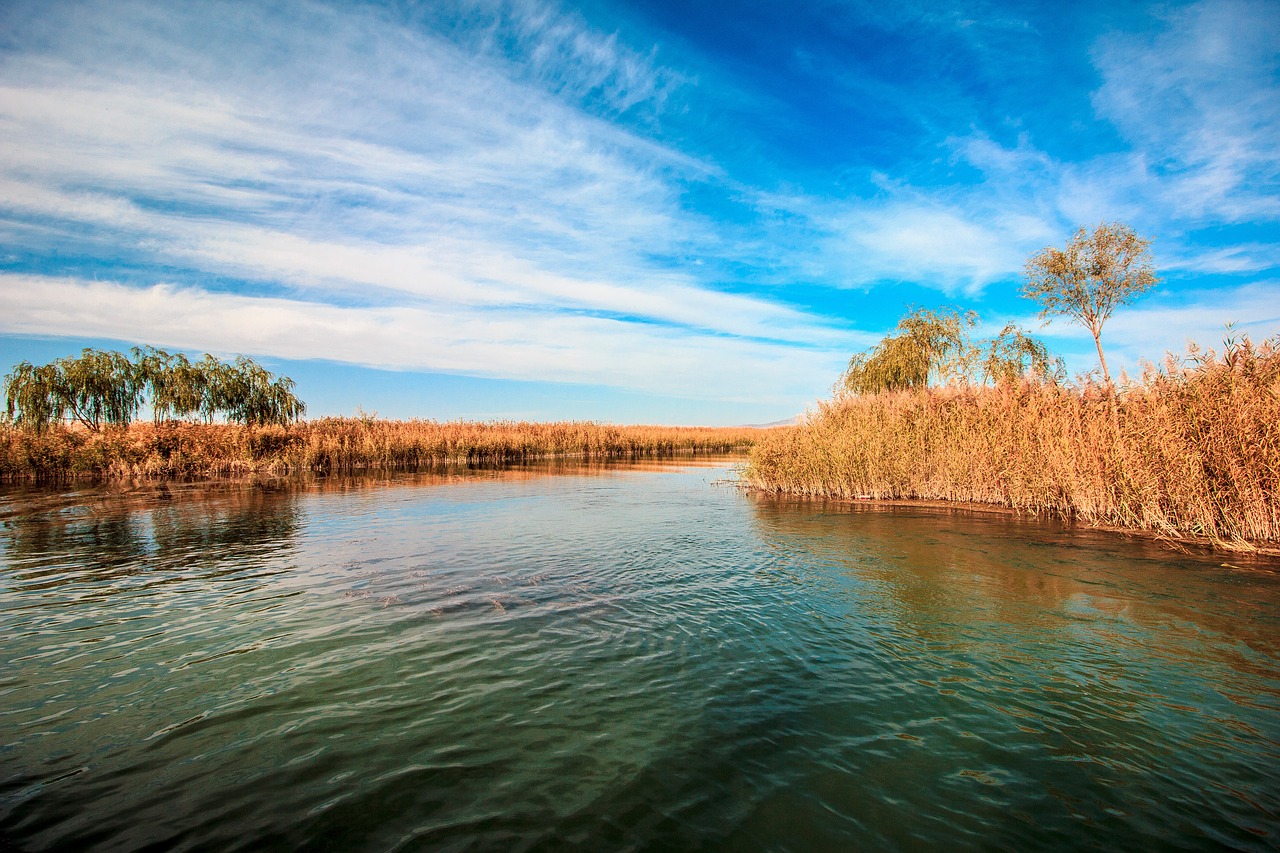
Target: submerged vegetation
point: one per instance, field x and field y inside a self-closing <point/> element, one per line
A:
<point x="332" y="444"/>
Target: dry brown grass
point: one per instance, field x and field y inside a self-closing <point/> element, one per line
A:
<point x="1190" y="452"/>
<point x="333" y="444"/>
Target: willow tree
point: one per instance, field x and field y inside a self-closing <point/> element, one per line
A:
<point x="1013" y="354"/>
<point x="106" y="387"/>
<point x="252" y="395"/>
<point x="32" y="395"/>
<point x="95" y="388"/>
<point x="177" y="387"/>
<point x="926" y="346"/>
<point x="100" y="388"/>
<point x="243" y="391"/>
<point x="1087" y="280"/>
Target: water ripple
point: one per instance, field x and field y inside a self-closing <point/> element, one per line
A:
<point x="618" y="660"/>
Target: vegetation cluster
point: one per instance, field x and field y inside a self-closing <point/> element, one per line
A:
<point x="935" y="347"/>
<point x="102" y="388"/>
<point x="189" y="450"/>
<point x="1190" y="450"/>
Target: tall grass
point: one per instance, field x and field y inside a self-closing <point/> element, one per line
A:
<point x="1191" y="450"/>
<point x="332" y="444"/>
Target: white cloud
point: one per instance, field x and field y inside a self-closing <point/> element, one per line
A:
<point x="1196" y="101"/>
<point x="478" y="194"/>
<point x="419" y="177"/>
<point x="516" y="343"/>
<point x="930" y="244"/>
<point x="561" y="50"/>
<point x="1201" y="96"/>
<point x="440" y="269"/>
<point x="1242" y="259"/>
<point x="1165" y="322"/>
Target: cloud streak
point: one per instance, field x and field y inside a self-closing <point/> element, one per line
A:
<point x="1194" y="102"/>
<point x="511" y="200"/>
<point x="528" y="344"/>
<point x="1202" y="91"/>
<point x="409" y="188"/>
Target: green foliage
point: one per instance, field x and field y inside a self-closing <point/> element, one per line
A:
<point x="930" y="348"/>
<point x="31" y="398"/>
<point x="1086" y="281"/>
<point x="250" y="395"/>
<point x="178" y="387"/>
<point x="94" y="389"/>
<point x="925" y="347"/>
<point x="100" y="388"/>
<point x="1013" y="355"/>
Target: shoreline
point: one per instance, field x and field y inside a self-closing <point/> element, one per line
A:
<point x="238" y="469"/>
<point x="1270" y="552"/>
<point x="190" y="451"/>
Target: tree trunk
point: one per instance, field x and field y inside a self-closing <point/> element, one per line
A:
<point x="1111" y="390"/>
<point x="1097" y="340"/>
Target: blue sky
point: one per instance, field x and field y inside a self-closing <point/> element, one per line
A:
<point x="646" y="212"/>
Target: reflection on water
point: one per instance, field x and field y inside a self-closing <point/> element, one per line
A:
<point x="617" y="656"/>
<point x="130" y="532"/>
<point x="1085" y="680"/>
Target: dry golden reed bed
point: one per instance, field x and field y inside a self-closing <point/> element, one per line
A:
<point x="332" y="444"/>
<point x="1187" y="452"/>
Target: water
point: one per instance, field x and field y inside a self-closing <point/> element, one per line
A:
<point x="609" y="658"/>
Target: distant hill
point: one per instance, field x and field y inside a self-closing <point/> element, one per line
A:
<point x="792" y="421"/>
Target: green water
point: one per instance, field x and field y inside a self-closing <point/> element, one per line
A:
<point x="610" y="658"/>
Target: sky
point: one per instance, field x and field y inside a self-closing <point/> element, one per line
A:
<point x="633" y="212"/>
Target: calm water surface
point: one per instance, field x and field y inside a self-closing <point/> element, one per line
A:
<point x="608" y="658"/>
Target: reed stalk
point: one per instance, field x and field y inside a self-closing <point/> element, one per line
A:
<point x="180" y="449"/>
<point x="1189" y="451"/>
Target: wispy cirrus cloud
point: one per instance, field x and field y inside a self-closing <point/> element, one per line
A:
<point x="440" y="269"/>
<point x="1163" y="322"/>
<point x="1186" y="116"/>
<point x="419" y="189"/>
<point x="508" y="168"/>
<point x="927" y="242"/>
<point x="559" y="51"/>
<point x="508" y="342"/>
<point x="1200" y="94"/>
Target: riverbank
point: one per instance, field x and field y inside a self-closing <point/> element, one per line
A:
<point x="186" y="450"/>
<point x="1186" y="453"/>
<point x="1262" y="555"/>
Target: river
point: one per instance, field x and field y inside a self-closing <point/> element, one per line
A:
<point x="613" y="657"/>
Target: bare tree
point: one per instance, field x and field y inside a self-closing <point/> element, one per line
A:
<point x="1087" y="280"/>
